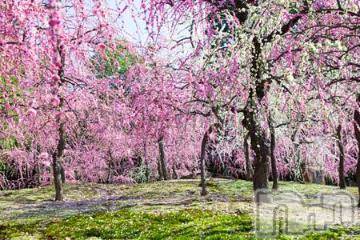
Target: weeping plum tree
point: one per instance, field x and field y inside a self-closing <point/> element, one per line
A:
<point x="333" y="54"/>
<point x="240" y="57"/>
<point x="268" y="38"/>
<point x="256" y="27"/>
<point x="50" y="42"/>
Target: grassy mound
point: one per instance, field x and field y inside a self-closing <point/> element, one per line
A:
<point x="159" y="210"/>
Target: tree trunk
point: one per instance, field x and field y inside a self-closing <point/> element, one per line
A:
<point x="298" y="171"/>
<point x="249" y="168"/>
<point x="62" y="172"/>
<point x="258" y="145"/>
<point x="342" y="183"/>
<point x="202" y="163"/>
<point x="57" y="166"/>
<point x="357" y="136"/>
<point x="146" y="163"/>
<point x="58" y="170"/>
<point x="162" y="160"/>
<point x="110" y="168"/>
<point x="38" y="170"/>
<point x="175" y="175"/>
<point x="272" y="154"/>
<point x="253" y="113"/>
<point x="145" y="158"/>
<point x="161" y="177"/>
<point x="260" y="180"/>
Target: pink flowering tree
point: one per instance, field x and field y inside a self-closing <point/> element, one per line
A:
<point x="47" y="46"/>
<point x="267" y="39"/>
<point x="257" y="89"/>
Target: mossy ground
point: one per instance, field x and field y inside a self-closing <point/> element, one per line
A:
<point x="159" y="210"/>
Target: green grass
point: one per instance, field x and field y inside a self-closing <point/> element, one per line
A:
<point x="155" y="190"/>
<point x="131" y="224"/>
<point x="159" y="210"/>
<point x="244" y="188"/>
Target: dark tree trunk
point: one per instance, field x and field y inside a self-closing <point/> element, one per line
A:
<point x="145" y="158"/>
<point x="110" y="168"/>
<point x="357" y="136"/>
<point x="175" y="175"/>
<point x="57" y="166"/>
<point x="161" y="177"/>
<point x="162" y="159"/>
<point x="62" y="172"/>
<point x="58" y="170"/>
<point x="260" y="178"/>
<point x="249" y="167"/>
<point x="253" y="113"/>
<point x="299" y="170"/>
<point x="38" y="171"/>
<point x="272" y="155"/>
<point x="146" y="163"/>
<point x="202" y="163"/>
<point x="342" y="183"/>
<point x="258" y="145"/>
